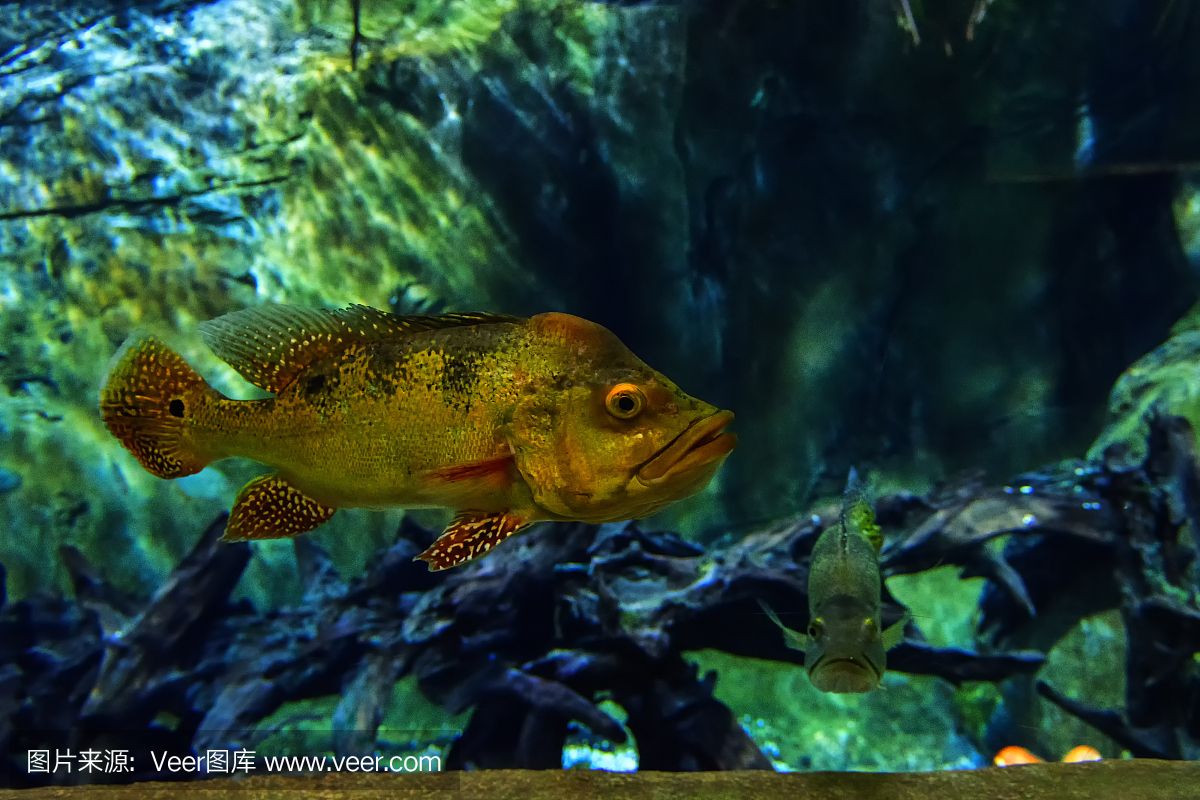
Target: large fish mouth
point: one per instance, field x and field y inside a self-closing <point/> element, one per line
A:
<point x="703" y="442"/>
<point x="845" y="674"/>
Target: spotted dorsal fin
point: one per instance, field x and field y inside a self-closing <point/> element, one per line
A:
<point x="270" y="345"/>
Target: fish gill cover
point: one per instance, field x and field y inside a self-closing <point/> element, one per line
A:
<point x="924" y="238"/>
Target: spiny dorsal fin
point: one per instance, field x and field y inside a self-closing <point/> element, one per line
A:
<point x="269" y="345"/>
<point x="857" y="513"/>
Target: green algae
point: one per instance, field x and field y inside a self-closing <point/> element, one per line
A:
<point x="409" y="725"/>
<point x="802" y="728"/>
<point x="262" y="167"/>
<point x="397" y="30"/>
<point x="1165" y="381"/>
<point x="944" y="606"/>
<point x="288" y="177"/>
<point x="1187" y="218"/>
<point x="908" y="723"/>
<point x="1088" y="663"/>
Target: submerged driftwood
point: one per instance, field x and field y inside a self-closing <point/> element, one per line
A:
<point x="532" y="636"/>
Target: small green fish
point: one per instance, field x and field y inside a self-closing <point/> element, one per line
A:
<point x="844" y="649"/>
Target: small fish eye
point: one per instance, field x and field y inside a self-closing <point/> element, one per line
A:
<point x="625" y="401"/>
<point x="815" y="628"/>
<point x="869" y="627"/>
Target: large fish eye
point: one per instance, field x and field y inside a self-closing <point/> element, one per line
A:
<point x="625" y="401"/>
<point x="870" y="628"/>
<point x="815" y="629"/>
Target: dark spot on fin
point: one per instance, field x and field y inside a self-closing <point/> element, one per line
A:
<point x="271" y="345"/>
<point x="479" y="469"/>
<point x="471" y="534"/>
<point x="143" y="401"/>
<point x="315" y="384"/>
<point x="271" y="508"/>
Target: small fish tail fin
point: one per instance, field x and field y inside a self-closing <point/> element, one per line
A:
<point x="148" y="402"/>
<point x="857" y="512"/>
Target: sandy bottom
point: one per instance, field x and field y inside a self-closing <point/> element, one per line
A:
<point x="1119" y="780"/>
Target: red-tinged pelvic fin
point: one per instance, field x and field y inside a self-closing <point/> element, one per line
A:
<point x="471" y="534"/>
<point x="271" y="508"/>
<point x="148" y="403"/>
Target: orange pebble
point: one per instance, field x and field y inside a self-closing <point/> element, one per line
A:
<point x="1082" y="752"/>
<point x="1013" y="754"/>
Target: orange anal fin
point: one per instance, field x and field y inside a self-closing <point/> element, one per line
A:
<point x="489" y="468"/>
<point x="471" y="534"/>
<point x="271" y="508"/>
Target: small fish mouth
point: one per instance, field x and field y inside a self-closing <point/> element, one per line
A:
<point x="703" y="442"/>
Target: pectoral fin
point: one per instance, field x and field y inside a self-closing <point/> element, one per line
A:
<point x="471" y="534"/>
<point x="493" y="469"/>
<point x="894" y="634"/>
<point x="794" y="639"/>
<point x="271" y="508"/>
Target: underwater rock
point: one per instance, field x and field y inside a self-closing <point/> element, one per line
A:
<point x="1149" y="572"/>
<point x="531" y="714"/>
<point x="529" y="639"/>
<point x="9" y="481"/>
<point x="532" y="637"/>
<point x="180" y="616"/>
<point x="717" y="162"/>
<point x="114" y="608"/>
<point x="50" y="654"/>
<point x="364" y="700"/>
<point x="1139" y="743"/>
<point x="1162" y="381"/>
<point x="193" y="655"/>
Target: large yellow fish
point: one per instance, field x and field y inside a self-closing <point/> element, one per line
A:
<point x="506" y="420"/>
